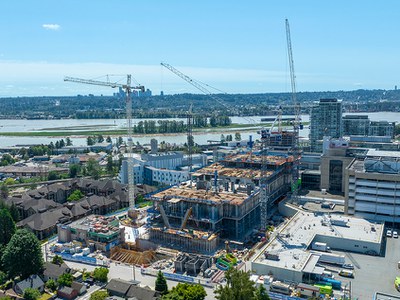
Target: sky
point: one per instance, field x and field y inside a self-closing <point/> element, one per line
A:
<point x="235" y="46"/>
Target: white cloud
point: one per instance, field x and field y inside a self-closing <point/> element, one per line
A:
<point x="54" y="27"/>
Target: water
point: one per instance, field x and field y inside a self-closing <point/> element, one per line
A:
<point x="105" y="124"/>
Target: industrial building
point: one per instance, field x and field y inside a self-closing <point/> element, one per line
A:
<point x="103" y="232"/>
<point x="288" y="257"/>
<point x="326" y="120"/>
<point x="373" y="186"/>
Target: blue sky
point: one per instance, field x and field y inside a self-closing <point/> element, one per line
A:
<point x="236" y="46"/>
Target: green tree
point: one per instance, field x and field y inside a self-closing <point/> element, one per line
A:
<point x="65" y="279"/>
<point x="100" y="138"/>
<point x="93" y="168"/>
<point x="161" y="283"/>
<point x="23" y="255"/>
<point x="75" y="196"/>
<point x="90" y="141"/>
<point x="120" y="141"/>
<point x="110" y="164"/>
<point x="99" y="295"/>
<point x="186" y="291"/>
<point x="68" y="141"/>
<point x="100" y="274"/>
<point x="261" y="293"/>
<point x="3" y="191"/>
<point x="57" y="260"/>
<point x="7" y="226"/>
<point x="238" y="136"/>
<point x="31" y="294"/>
<point x="9" y="181"/>
<point x="74" y="170"/>
<point x="108" y="139"/>
<point x="14" y="212"/>
<point x="53" y="175"/>
<point x="238" y="286"/>
<point x="3" y="277"/>
<point x="51" y="285"/>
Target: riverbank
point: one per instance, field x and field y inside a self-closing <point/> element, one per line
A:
<point x="122" y="131"/>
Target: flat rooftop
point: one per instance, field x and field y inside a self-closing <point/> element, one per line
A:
<point x="231" y="172"/>
<point x="296" y="236"/>
<point x="184" y="191"/>
<point x="381" y="153"/>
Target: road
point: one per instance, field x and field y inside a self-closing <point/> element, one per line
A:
<point x="123" y="271"/>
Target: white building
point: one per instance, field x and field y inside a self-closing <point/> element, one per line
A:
<point x="373" y="186"/>
<point x="287" y="257"/>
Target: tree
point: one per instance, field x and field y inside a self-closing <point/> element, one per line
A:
<point x="7" y="226"/>
<point x="3" y="191"/>
<point x="238" y="286"/>
<point x="100" y="274"/>
<point x="108" y="139"/>
<point x="99" y="295"/>
<point x="110" y="164"/>
<point x="31" y="294"/>
<point x="75" y="196"/>
<point x="161" y="283"/>
<point x="68" y="141"/>
<point x="74" y="170"/>
<point x="14" y="212"/>
<point x="3" y="277"/>
<point x="57" y="260"/>
<point x="51" y="285"/>
<point x="90" y="141"/>
<point x="23" y="255"/>
<point x="93" y="168"/>
<point x="65" y="279"/>
<point x="53" y="175"/>
<point x="238" y="136"/>
<point x="120" y="141"/>
<point x="186" y="291"/>
<point x="100" y="138"/>
<point x="261" y="293"/>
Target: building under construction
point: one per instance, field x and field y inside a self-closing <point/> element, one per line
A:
<point x="222" y="202"/>
<point x="245" y="170"/>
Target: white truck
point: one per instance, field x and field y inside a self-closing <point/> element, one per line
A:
<point x="320" y="247"/>
<point x="333" y="259"/>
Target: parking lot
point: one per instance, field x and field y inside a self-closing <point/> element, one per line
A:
<point x="374" y="273"/>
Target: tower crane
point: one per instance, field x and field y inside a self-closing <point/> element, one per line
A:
<point x="295" y="150"/>
<point x="128" y="90"/>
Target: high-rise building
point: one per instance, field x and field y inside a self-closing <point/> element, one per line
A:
<point x="356" y="125"/>
<point x="326" y="120"/>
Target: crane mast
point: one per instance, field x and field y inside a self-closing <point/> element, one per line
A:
<point x="128" y="90"/>
<point x="296" y="123"/>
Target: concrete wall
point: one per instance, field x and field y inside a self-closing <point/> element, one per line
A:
<point x="352" y="245"/>
<point x="278" y="273"/>
<point x="286" y="209"/>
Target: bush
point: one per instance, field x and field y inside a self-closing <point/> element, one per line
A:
<point x="99" y="295"/>
<point x="51" y="285"/>
<point x="100" y="274"/>
<point x="31" y="294"/>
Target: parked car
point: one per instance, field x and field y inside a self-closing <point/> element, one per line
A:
<point x="395" y="234"/>
<point x="389" y="233"/>
<point x="348" y="266"/>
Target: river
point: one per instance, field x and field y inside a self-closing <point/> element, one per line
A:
<point x="74" y="125"/>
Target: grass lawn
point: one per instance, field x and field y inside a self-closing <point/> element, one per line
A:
<point x="45" y="296"/>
